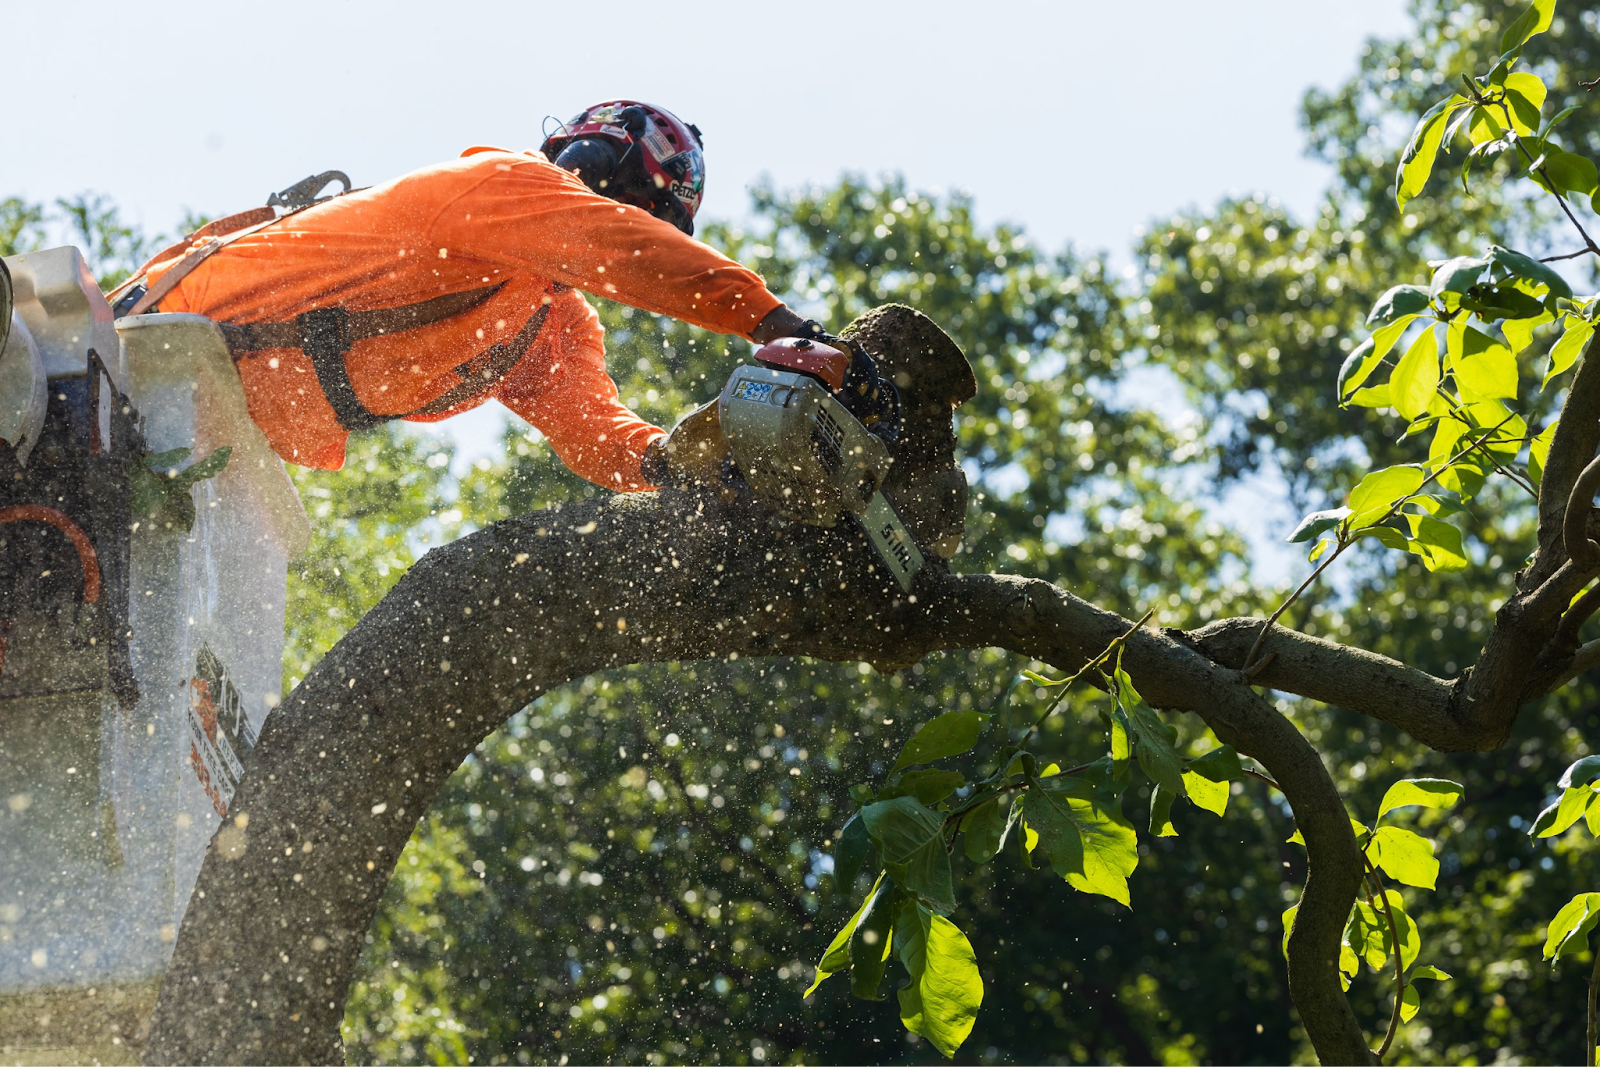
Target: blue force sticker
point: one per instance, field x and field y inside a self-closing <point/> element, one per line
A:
<point x="757" y="392"/>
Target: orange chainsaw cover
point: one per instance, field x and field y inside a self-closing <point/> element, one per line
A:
<point x="491" y="217"/>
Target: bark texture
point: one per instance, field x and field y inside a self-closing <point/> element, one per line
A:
<point x="481" y="627"/>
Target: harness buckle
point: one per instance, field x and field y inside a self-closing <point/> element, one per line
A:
<point x="304" y="193"/>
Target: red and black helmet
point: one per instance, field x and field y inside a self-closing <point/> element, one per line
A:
<point x="637" y="154"/>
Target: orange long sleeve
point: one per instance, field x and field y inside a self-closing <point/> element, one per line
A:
<point x="493" y="219"/>
<point x="527" y="215"/>
<point x="574" y="402"/>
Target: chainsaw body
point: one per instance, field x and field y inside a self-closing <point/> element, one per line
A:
<point x="804" y="453"/>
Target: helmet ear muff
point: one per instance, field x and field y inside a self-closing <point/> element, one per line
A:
<point x="593" y="160"/>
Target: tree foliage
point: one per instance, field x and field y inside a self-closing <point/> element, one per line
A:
<point x="663" y="863"/>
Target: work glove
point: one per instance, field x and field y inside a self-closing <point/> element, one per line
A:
<point x="864" y="394"/>
<point x="691" y="454"/>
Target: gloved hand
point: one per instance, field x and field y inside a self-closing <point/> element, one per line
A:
<point x="691" y="454"/>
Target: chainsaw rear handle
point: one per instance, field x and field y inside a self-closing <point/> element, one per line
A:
<point x="849" y="372"/>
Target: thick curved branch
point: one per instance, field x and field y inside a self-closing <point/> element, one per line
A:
<point x="1056" y="627"/>
<point x="1576" y="440"/>
<point x="1575" y="523"/>
<point x="1342" y="675"/>
<point x="481" y="627"/>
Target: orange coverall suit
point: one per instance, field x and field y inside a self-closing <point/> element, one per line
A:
<point x="490" y="217"/>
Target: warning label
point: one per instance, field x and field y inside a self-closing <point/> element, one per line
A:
<point x="220" y="734"/>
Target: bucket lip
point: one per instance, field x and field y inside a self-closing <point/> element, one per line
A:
<point x="7" y="301"/>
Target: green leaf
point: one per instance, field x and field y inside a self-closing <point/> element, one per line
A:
<point x="1539" y="453"/>
<point x="986" y="827"/>
<point x="1416" y="162"/>
<point x="1349" y="965"/>
<point x="1502" y="301"/>
<point x="1404" y="856"/>
<point x="1564" y="353"/>
<point x="1580" y="773"/>
<point x="850" y="852"/>
<point x="1456" y="275"/>
<point x="941" y="1002"/>
<point x="1411" y="1001"/>
<point x="1560" y="117"/>
<point x="1161" y="812"/>
<point x="1221" y="764"/>
<point x="837" y="957"/>
<point x="1524" y="98"/>
<point x="1205" y="793"/>
<point x="1316" y="524"/>
<point x="1415" y="380"/>
<point x="1519" y="332"/>
<point x="1041" y="680"/>
<point x="1373" y="396"/>
<point x="161" y="461"/>
<point x="1410" y="940"/>
<point x="1357" y="830"/>
<point x="910" y="840"/>
<point x="1484" y="368"/>
<point x="1206" y="778"/>
<point x="1569" y="930"/>
<point x="1368" y="934"/>
<point x="1558" y="817"/>
<point x="1090" y="843"/>
<point x="929" y="785"/>
<point x="1153" y="746"/>
<point x="869" y="945"/>
<point x="1372" y="498"/>
<point x="1288" y="927"/>
<point x="1422" y="793"/>
<point x="1570" y="173"/>
<point x="1518" y="265"/>
<point x="1536" y="19"/>
<point x="209" y="467"/>
<point x="1437" y="543"/>
<point x="1401" y="300"/>
<point x="949" y="734"/>
<point x="1360" y="363"/>
<point x="1388" y="537"/>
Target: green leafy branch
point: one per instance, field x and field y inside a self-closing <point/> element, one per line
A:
<point x="904" y="834"/>
<point x="1569" y="930"/>
<point x="1379" y="929"/>
<point x="1459" y="377"/>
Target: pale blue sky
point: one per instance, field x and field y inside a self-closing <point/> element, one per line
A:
<point x="1078" y="120"/>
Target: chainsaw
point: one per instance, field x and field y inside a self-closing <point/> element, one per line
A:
<point x="802" y="451"/>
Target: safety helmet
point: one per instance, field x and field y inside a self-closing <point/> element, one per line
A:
<point x="637" y="154"/>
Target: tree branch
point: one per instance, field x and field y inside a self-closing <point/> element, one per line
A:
<point x="353" y="757"/>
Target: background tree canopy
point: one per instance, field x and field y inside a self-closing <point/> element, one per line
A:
<point x="636" y="868"/>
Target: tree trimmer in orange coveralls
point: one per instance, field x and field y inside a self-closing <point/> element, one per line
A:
<point x="428" y="295"/>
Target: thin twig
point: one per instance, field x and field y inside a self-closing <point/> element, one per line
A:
<point x="1399" y="967"/>
<point x="1085" y="669"/>
<point x="1594" y="987"/>
<point x="1569" y="255"/>
<point x="1249" y="772"/>
<point x="1511" y="131"/>
<point x="1456" y="411"/>
<point x="1586" y="604"/>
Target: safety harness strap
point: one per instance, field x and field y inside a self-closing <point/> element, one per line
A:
<point x="327" y="334"/>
